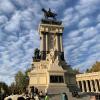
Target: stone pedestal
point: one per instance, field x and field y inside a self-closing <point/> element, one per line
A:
<point x="48" y="77"/>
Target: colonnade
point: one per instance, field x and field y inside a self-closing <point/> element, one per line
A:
<point x="45" y="42"/>
<point x="89" y="85"/>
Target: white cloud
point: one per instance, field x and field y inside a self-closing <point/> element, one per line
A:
<point x="85" y="22"/>
<point x="98" y="18"/>
<point x="86" y="7"/>
<point x="70" y="18"/>
<point x="74" y="33"/>
<point x="90" y="33"/>
<point x="54" y="4"/>
<point x="3" y="19"/>
<point x="6" y="7"/>
<point x="23" y="4"/>
<point x="14" y="24"/>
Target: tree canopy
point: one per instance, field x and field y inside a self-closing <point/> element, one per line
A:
<point x="94" y="68"/>
<point x="4" y="88"/>
<point x="21" y="82"/>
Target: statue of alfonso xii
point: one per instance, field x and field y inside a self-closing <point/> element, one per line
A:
<point x="49" y="13"/>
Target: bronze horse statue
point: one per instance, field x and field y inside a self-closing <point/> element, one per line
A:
<point x="49" y="13"/>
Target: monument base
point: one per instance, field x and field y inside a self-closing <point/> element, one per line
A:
<point x="57" y="89"/>
<point x="48" y="77"/>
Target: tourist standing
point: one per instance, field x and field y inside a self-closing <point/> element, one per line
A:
<point x="2" y="94"/>
<point x="46" y="97"/>
<point x="36" y="97"/>
<point x="41" y="94"/>
<point x="64" y="96"/>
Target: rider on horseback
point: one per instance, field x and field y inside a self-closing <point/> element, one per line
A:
<point x="49" y="13"/>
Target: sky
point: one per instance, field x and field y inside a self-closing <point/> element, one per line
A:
<point x="19" y="20"/>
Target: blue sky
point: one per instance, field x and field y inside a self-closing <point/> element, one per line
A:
<point x="19" y="37"/>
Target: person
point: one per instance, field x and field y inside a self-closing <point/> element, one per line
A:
<point x="75" y="94"/>
<point x="41" y="94"/>
<point x="46" y="97"/>
<point x="2" y="94"/>
<point x="36" y="90"/>
<point x="64" y="96"/>
<point x="20" y="98"/>
<point x="32" y="92"/>
<point x="36" y="97"/>
<point x="49" y="11"/>
<point x="26" y="95"/>
<point x="9" y="99"/>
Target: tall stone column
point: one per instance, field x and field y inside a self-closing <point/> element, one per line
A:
<point x="43" y="46"/>
<point x="96" y="86"/>
<point x="99" y="83"/>
<point x="44" y="38"/>
<point x="41" y="41"/>
<point x="57" y="45"/>
<point x="87" y="86"/>
<point x="83" y="90"/>
<point x="78" y="84"/>
<point x="47" y="49"/>
<point x="61" y="44"/>
<point x="91" y="85"/>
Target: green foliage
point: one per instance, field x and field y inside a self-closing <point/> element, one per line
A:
<point x="4" y="87"/>
<point x="21" y="80"/>
<point x="76" y="71"/>
<point x="87" y="70"/>
<point x="94" y="68"/>
<point x="20" y="84"/>
<point x="13" y="89"/>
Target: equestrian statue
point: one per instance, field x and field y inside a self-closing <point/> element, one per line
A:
<point x="49" y="13"/>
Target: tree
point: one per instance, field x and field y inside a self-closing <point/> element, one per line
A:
<point x="94" y="68"/>
<point x="21" y="81"/>
<point x="77" y="71"/>
<point x="4" y="88"/>
<point x="87" y="70"/>
<point x="13" y="89"/>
